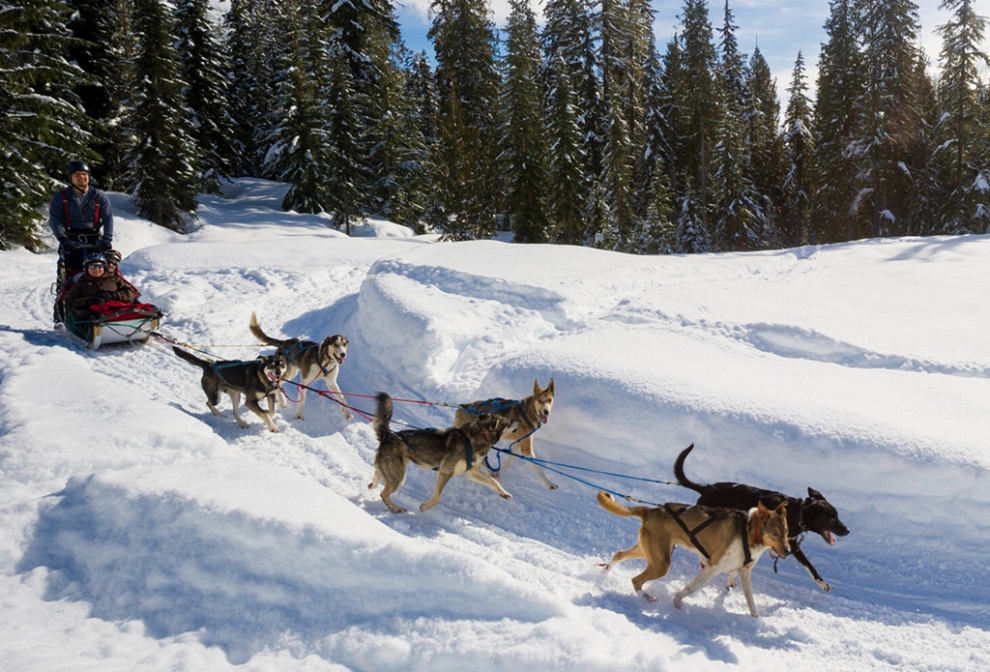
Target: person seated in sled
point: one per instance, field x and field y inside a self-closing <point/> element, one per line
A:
<point x="97" y="286"/>
<point x="81" y="219"/>
<point x="113" y="268"/>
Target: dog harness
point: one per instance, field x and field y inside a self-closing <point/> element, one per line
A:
<point x="493" y="406"/>
<point x="265" y="380"/>
<point x="468" y="448"/>
<point x="294" y="350"/>
<point x="713" y="516"/>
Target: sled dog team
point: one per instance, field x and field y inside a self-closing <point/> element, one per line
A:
<point x="729" y="527"/>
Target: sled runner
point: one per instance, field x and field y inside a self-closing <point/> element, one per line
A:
<point x="114" y="322"/>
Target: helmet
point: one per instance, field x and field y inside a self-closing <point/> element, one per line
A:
<point x="93" y="258"/>
<point x="75" y="167"/>
<point x="113" y="256"/>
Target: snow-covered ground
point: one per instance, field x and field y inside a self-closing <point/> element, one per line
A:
<point x="140" y="532"/>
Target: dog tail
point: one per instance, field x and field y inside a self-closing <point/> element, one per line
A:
<point x="259" y="334"/>
<point x="383" y="416"/>
<point x="191" y="358"/>
<point x="679" y="471"/>
<point x="607" y="502"/>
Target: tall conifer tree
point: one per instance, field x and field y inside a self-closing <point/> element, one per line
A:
<point x="799" y="147"/>
<point x="468" y="85"/>
<point x="163" y="161"/>
<point x="890" y="118"/>
<point x="841" y="82"/>
<point x="963" y="137"/>
<point x="701" y="104"/>
<point x="205" y="92"/>
<point x="104" y="50"/>
<point x="42" y="124"/>
<point x="523" y="158"/>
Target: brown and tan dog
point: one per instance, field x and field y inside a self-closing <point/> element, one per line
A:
<point x="311" y="360"/>
<point x="523" y="417"/>
<point x="727" y="541"/>
<point x="451" y="452"/>
<point x="812" y="514"/>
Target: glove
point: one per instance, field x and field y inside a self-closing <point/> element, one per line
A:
<point x="106" y="244"/>
<point x="94" y="301"/>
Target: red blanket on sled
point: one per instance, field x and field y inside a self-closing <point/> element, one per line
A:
<point x="120" y="310"/>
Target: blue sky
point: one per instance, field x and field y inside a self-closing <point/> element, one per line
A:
<point x="781" y="28"/>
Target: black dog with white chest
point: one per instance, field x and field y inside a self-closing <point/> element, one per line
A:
<point x="813" y="514"/>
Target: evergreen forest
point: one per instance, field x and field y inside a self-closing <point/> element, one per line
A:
<point x="570" y="128"/>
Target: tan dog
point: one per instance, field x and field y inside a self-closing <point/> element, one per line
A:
<point x="311" y="360"/>
<point x="256" y="380"/>
<point x="450" y="452"/>
<point x="523" y="418"/>
<point x="726" y="540"/>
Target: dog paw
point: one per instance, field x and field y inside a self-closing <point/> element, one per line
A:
<point x="348" y="416"/>
<point x="605" y="567"/>
<point x="824" y="586"/>
<point x="652" y="600"/>
<point x="505" y="496"/>
<point x="553" y="486"/>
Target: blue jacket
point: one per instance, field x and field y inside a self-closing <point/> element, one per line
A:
<point x="81" y="220"/>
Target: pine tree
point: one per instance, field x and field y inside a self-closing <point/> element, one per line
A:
<point x="962" y="137"/>
<point x="300" y="146"/>
<point x="840" y="85"/>
<point x="701" y="104"/>
<point x="738" y="217"/>
<point x="104" y="49"/>
<point x="399" y="187"/>
<point x="163" y="160"/>
<point x="656" y="232"/>
<point x="692" y="233"/>
<point x="523" y="156"/>
<point x="205" y="92"/>
<point x="424" y="105"/>
<point x="368" y="37"/>
<point x="567" y="185"/>
<point x="889" y="111"/>
<point x="626" y="51"/>
<point x="42" y="124"/>
<point x="253" y="48"/>
<point x="569" y="35"/>
<point x="672" y="117"/>
<point x="766" y="150"/>
<point x="468" y="84"/>
<point x="343" y="140"/>
<point x="799" y="147"/>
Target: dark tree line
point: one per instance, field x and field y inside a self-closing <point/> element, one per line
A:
<point x="581" y="132"/>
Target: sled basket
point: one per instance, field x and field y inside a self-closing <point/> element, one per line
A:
<point x="114" y="322"/>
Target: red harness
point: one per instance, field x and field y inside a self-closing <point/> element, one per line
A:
<point x="65" y="207"/>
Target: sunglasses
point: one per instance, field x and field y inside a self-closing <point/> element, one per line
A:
<point x="96" y="264"/>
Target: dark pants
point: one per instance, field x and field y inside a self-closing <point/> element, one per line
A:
<point x="71" y="256"/>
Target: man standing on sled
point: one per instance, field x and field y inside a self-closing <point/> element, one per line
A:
<point x="81" y="219"/>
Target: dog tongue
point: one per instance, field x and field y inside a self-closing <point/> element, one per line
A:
<point x="829" y="538"/>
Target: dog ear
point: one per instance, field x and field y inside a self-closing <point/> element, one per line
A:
<point x="550" y="386"/>
<point x="761" y="509"/>
<point x="782" y="509"/>
<point x="814" y="494"/>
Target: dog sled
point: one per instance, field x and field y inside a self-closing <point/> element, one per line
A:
<point x="105" y="323"/>
<point x="113" y="322"/>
